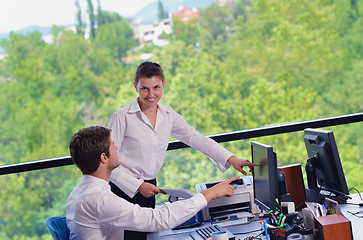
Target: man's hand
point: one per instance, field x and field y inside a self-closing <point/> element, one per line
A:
<point x="238" y="164"/>
<point x="149" y="190"/>
<point x="222" y="189"/>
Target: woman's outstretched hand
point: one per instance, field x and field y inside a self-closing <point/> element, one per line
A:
<point x="238" y="164"/>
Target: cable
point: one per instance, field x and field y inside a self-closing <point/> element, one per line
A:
<point x="298" y="206"/>
<point x="253" y="237"/>
<point x="357" y="192"/>
<point x="335" y="194"/>
<point x="355" y="214"/>
<point x="252" y="231"/>
<point x="356" y="204"/>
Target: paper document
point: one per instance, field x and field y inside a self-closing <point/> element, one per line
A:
<point x="181" y="193"/>
<point x="315" y="208"/>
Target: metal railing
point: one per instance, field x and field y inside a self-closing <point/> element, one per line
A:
<point x="222" y="137"/>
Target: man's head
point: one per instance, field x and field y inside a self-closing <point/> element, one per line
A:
<point x="87" y="146"/>
<point x="148" y="70"/>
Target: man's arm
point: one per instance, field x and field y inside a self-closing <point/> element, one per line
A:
<point x="222" y="189"/>
<point x="117" y="212"/>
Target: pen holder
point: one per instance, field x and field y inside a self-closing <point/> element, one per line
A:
<point x="333" y="227"/>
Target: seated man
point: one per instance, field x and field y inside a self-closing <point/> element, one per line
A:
<point x="94" y="212"/>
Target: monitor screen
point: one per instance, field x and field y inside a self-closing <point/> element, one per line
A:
<point x="264" y="176"/>
<point x="323" y="154"/>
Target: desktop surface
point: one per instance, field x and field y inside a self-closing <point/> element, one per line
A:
<point x="252" y="228"/>
<point x="240" y="229"/>
<point x="202" y="232"/>
<point x="355" y="220"/>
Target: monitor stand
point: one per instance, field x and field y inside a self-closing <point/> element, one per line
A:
<point x="318" y="194"/>
<point x="312" y="192"/>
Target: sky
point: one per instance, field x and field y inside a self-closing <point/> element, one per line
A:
<point x="18" y="14"/>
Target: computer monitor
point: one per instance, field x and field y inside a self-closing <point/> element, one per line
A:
<point x="265" y="186"/>
<point x="324" y="167"/>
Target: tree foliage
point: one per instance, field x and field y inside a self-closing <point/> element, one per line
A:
<point x="162" y="14"/>
<point x="117" y="37"/>
<point x="92" y="18"/>
<point x="239" y="66"/>
<point x="80" y="25"/>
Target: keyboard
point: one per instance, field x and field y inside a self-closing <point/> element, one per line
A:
<point x="187" y="225"/>
<point x="204" y="233"/>
<point x="194" y="221"/>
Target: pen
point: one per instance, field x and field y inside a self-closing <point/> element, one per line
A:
<point x="278" y="223"/>
<point x="324" y="209"/>
<point x="267" y="225"/>
<point x="273" y="216"/>
<point x="317" y="212"/>
<point x="266" y="233"/>
<point x="320" y="208"/>
<point x="282" y="221"/>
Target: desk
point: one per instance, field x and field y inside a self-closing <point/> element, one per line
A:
<point x="356" y="222"/>
<point x="235" y="229"/>
<point x="250" y="229"/>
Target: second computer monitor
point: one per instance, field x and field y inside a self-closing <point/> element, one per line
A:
<point x="324" y="157"/>
<point x="264" y="176"/>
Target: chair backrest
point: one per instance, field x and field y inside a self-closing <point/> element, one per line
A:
<point x="57" y="227"/>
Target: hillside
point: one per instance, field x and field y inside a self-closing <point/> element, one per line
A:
<point x="149" y="13"/>
<point x="145" y="15"/>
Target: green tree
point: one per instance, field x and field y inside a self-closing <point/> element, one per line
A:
<point x="117" y="37"/>
<point x="187" y="32"/>
<point x="242" y="9"/>
<point x="80" y="25"/>
<point x="110" y="17"/>
<point x="172" y="56"/>
<point x="100" y="15"/>
<point x="217" y="20"/>
<point x="265" y="62"/>
<point x="92" y="19"/>
<point x="25" y="63"/>
<point x="162" y="14"/>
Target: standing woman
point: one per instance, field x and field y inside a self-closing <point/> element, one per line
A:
<point x="142" y="130"/>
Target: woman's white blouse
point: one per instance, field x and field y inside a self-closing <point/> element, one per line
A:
<point x="142" y="148"/>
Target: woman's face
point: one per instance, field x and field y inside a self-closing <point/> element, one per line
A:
<point x="150" y="91"/>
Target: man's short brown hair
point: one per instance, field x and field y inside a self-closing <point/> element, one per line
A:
<point x="87" y="145"/>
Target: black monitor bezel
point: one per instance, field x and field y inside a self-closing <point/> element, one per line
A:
<point x="328" y="167"/>
<point x="272" y="178"/>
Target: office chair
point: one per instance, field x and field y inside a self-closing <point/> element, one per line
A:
<point x="57" y="227"/>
